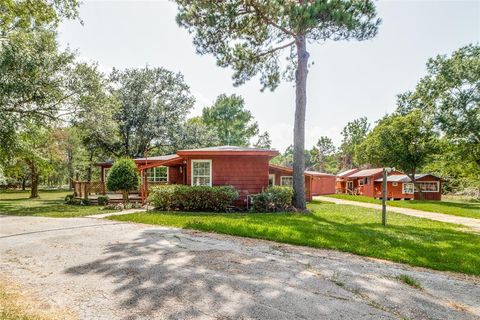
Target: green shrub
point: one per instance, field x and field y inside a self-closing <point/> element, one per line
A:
<point x="192" y="198"/>
<point x="69" y="199"/>
<point x="123" y="176"/>
<point x="102" y="200"/>
<point x="273" y="199"/>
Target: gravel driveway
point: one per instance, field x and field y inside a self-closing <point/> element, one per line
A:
<point x="109" y="270"/>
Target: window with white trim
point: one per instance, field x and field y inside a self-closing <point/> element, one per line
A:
<point x="360" y="182"/>
<point x="157" y="174"/>
<point x="201" y="172"/>
<point x="408" y="188"/>
<point x="286" y="181"/>
<point x="271" y="179"/>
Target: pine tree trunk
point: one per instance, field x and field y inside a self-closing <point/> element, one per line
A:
<point x="299" y="125"/>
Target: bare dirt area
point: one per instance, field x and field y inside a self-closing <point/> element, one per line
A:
<point x="108" y="270"/>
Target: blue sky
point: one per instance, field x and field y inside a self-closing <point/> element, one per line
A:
<point x="348" y="79"/>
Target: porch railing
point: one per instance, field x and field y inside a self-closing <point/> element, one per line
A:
<point x="82" y="189"/>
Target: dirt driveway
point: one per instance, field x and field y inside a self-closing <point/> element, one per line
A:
<point x="109" y="270"/>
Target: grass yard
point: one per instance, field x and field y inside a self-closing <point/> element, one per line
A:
<point x="411" y="240"/>
<point x="455" y="208"/>
<point x="50" y="204"/>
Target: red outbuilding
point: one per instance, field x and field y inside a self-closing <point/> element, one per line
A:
<point x="369" y="182"/>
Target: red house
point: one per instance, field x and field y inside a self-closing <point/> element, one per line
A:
<point x="246" y="169"/>
<point x="369" y="182"/>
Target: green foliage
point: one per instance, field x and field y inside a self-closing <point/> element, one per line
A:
<point x="354" y="133"/>
<point x="69" y="198"/>
<point x="123" y="176"/>
<point x="345" y="228"/>
<point x="230" y="120"/>
<point x="450" y="95"/>
<point x="193" y="198"/>
<point x="153" y="107"/>
<point x="410" y="281"/>
<point x="264" y="141"/>
<point x="405" y="142"/>
<point x="103" y="200"/>
<point x="273" y="199"/>
<point x="27" y="15"/>
<point x="249" y="36"/>
<point x="324" y="149"/>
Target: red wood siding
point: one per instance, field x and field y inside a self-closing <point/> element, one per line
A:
<point x="175" y="176"/>
<point x="395" y="192"/>
<point x="323" y="185"/>
<point x="248" y="174"/>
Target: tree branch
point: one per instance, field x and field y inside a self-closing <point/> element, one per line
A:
<point x="275" y="49"/>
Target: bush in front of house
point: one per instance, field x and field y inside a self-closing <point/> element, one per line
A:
<point x="273" y="199"/>
<point x="193" y="198"/>
<point x="102" y="200"/>
<point x="69" y="199"/>
<point x="123" y="176"/>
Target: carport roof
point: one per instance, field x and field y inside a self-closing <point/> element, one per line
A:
<point x="402" y="177"/>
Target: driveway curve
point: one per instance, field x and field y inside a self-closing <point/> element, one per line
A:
<point x="109" y="270"/>
<point x="470" y="223"/>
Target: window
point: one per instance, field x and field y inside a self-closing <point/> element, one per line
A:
<point x="271" y="180"/>
<point x="360" y="182"/>
<point x="408" y="188"/>
<point x="157" y="174"/>
<point x="286" y="180"/>
<point x="429" y="186"/>
<point x="201" y="172"/>
<point x="394" y="184"/>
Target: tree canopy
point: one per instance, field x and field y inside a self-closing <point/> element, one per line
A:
<point x="230" y="120"/>
<point x="354" y="133"/>
<point x="153" y="105"/>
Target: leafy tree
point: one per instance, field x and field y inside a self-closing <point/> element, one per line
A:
<point x="153" y="106"/>
<point x="250" y="36"/>
<point x="123" y="176"/>
<point x="27" y="15"/>
<point x="405" y="142"/>
<point x="450" y="94"/>
<point x="325" y="148"/>
<point x="264" y="141"/>
<point x="230" y="120"/>
<point x="36" y="149"/>
<point x="193" y="134"/>
<point x="354" y="133"/>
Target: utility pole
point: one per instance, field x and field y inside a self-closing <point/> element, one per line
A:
<point x="384" y="196"/>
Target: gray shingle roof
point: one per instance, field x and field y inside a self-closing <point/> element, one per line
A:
<point x="402" y="177"/>
<point x="366" y="173"/>
<point x="228" y="148"/>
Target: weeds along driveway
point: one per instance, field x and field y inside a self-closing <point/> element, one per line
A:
<point x="109" y="270"/>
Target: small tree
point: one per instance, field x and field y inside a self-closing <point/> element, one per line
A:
<point x="123" y="177"/>
<point x="405" y="142"/>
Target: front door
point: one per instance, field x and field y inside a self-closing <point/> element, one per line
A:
<point x="271" y="180"/>
<point x="349" y="186"/>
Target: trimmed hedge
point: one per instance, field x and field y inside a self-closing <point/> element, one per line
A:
<point x="273" y="199"/>
<point x="192" y="198"/>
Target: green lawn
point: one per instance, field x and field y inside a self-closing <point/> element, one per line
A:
<point x="456" y="208"/>
<point x="415" y="241"/>
<point x="50" y="204"/>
